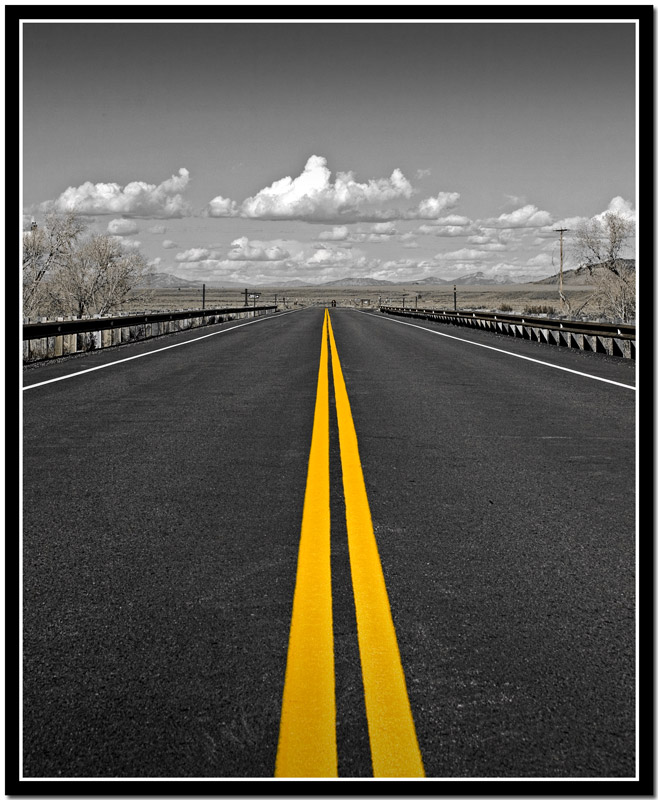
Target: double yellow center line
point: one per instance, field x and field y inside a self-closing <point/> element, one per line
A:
<point x="307" y="736"/>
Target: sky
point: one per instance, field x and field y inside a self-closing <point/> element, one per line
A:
<point x="265" y="151"/>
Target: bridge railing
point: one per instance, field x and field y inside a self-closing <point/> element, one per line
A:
<point x="61" y="337"/>
<point x="609" y="338"/>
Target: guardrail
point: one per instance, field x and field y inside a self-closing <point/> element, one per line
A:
<point x="596" y="337"/>
<point x="60" y="337"/>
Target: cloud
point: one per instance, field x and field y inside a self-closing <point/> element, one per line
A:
<point x="619" y="206"/>
<point x="491" y="239"/>
<point x="137" y="198"/>
<point x="312" y="195"/>
<point x="528" y="216"/>
<point x="169" y="245"/>
<point x="336" y="234"/>
<point x="336" y="256"/>
<point x="122" y="227"/>
<point x="244" y="250"/>
<point x="195" y="254"/>
<point x="127" y="244"/>
<point x="616" y="206"/>
<point x="221" y="207"/>
<point x="433" y="207"/>
<point x="444" y="230"/>
<point x="450" y="225"/>
<point x="384" y="228"/>
<point x="464" y="254"/>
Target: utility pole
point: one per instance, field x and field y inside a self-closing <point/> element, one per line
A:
<point x="454" y="296"/>
<point x="203" y="301"/>
<point x="561" y="231"/>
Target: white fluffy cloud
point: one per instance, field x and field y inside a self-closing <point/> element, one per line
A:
<point x="244" y="250"/>
<point x="122" y="227"/>
<point x="384" y="228"/>
<point x="619" y="206"/>
<point x="127" y="244"/>
<point x="312" y="195"/>
<point x="528" y="216"/>
<point x="337" y="234"/>
<point x="164" y="200"/>
<point x="195" y="254"/>
<point x="325" y="256"/>
<point x="221" y="207"/>
<point x="433" y="207"/>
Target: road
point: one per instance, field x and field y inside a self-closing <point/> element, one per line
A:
<point x="163" y="500"/>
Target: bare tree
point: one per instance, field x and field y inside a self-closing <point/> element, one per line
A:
<point x="66" y="273"/>
<point x="46" y="248"/>
<point x="97" y="277"/>
<point x="600" y="245"/>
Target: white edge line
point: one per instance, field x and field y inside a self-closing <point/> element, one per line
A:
<point x="507" y="352"/>
<point x="152" y="352"/>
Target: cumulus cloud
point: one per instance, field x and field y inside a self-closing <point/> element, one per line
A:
<point x="136" y="198"/>
<point x="433" y="207"/>
<point x="221" y="207"/>
<point x="168" y="244"/>
<point x="384" y="228"/>
<point x="195" y="254"/>
<point x="335" y="256"/>
<point x="450" y="225"/>
<point x="127" y="244"/>
<point x="244" y="250"/>
<point x="619" y="206"/>
<point x="312" y="195"/>
<point x="122" y="227"/>
<point x="528" y="216"/>
<point x="616" y="206"/>
<point x="464" y="254"/>
<point x="336" y="234"/>
<point x="444" y="230"/>
<point x="491" y="239"/>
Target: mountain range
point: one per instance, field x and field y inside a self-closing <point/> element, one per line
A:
<point x="574" y="277"/>
<point x="164" y="280"/>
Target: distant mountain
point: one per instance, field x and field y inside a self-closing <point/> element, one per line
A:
<point x="294" y="282"/>
<point x="358" y="282"/>
<point x="580" y="276"/>
<point x="473" y="279"/>
<point x="165" y="280"/>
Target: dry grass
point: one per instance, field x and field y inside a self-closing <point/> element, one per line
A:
<point x="525" y="298"/>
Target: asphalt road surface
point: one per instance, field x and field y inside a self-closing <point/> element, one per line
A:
<point x="163" y="503"/>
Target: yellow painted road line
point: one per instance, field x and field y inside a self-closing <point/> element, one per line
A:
<point x="393" y="743"/>
<point x="307" y="735"/>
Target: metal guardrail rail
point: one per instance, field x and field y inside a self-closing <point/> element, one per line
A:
<point x="613" y="339"/>
<point x="54" y="338"/>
